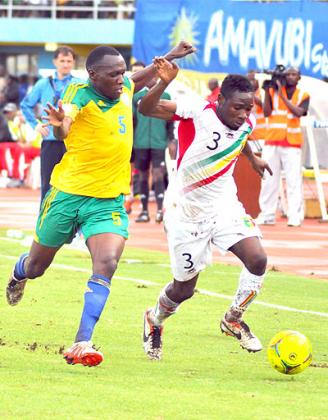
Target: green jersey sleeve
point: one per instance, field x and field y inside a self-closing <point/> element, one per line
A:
<point x="74" y="99"/>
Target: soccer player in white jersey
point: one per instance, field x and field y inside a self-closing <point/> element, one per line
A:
<point x="202" y="207"/>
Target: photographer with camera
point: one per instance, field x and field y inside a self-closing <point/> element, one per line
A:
<point x="284" y="105"/>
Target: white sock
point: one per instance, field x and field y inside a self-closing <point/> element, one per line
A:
<point x="249" y="287"/>
<point x="164" y="308"/>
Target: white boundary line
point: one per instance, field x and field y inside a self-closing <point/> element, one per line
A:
<point x="201" y="291"/>
<point x="85" y="270"/>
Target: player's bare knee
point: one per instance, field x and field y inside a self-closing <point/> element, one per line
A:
<point x="107" y="266"/>
<point x="185" y="291"/>
<point x="188" y="294"/>
<point x="257" y="263"/>
<point x="179" y="291"/>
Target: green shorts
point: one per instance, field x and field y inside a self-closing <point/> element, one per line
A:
<point x="62" y="214"/>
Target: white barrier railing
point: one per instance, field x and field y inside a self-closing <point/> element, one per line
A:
<point x="320" y="178"/>
<point x="320" y="124"/>
<point x="53" y="9"/>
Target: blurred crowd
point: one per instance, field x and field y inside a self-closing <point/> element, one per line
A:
<point x="19" y="143"/>
<point x="69" y="9"/>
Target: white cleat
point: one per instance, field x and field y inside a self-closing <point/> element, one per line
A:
<point x="240" y="330"/>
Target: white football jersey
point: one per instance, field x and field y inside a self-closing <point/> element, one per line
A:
<point x="207" y="153"/>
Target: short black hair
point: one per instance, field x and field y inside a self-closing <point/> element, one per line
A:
<point x="64" y="50"/>
<point x="98" y="53"/>
<point x="235" y="83"/>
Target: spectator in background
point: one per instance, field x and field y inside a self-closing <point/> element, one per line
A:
<point x="49" y="89"/>
<point x="24" y="86"/>
<point x="5" y="138"/>
<point x="9" y="135"/>
<point x="2" y="83"/>
<point x="284" y="106"/>
<point x="151" y="138"/>
<point x="4" y="129"/>
<point x="213" y="85"/>
<point x="11" y="90"/>
<point x="258" y="134"/>
<point x="27" y="148"/>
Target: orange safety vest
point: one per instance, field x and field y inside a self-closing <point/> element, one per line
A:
<point x="260" y="129"/>
<point x="284" y="128"/>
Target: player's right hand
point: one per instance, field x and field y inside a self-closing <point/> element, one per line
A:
<point x="182" y="49"/>
<point x="55" y="116"/>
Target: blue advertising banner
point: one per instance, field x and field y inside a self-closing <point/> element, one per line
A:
<point x="236" y="36"/>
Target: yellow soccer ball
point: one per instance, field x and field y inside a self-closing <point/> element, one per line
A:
<point x="289" y="352"/>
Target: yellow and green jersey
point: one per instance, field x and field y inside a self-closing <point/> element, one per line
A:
<point x="99" y="143"/>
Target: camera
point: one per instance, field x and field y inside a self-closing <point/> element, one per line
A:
<point x="278" y="73"/>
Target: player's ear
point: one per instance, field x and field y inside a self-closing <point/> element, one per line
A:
<point x="221" y="99"/>
<point x="92" y="74"/>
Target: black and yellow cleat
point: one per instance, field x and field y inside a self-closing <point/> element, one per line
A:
<point x="152" y="338"/>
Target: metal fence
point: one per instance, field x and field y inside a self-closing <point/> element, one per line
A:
<point x="66" y="9"/>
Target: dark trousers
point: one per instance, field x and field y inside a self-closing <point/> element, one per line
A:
<point x="52" y="152"/>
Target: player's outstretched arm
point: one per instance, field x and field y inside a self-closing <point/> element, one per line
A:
<point x="56" y="117"/>
<point x="259" y="165"/>
<point x="181" y="50"/>
<point x="142" y="77"/>
<point x="151" y="104"/>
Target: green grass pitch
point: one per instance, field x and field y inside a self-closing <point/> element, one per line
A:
<point x="203" y="374"/>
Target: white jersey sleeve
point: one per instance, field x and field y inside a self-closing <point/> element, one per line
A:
<point x="187" y="108"/>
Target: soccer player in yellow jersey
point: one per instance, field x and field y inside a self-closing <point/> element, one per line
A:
<point x="88" y="185"/>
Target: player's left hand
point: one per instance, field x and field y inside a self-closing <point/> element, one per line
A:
<point x="181" y="50"/>
<point x="260" y="166"/>
<point x="166" y="71"/>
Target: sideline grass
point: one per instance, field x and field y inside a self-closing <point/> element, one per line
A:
<point x="203" y="375"/>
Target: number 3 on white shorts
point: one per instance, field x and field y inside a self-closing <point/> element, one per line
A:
<point x="189" y="264"/>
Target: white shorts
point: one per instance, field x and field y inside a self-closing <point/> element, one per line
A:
<point x="190" y="243"/>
